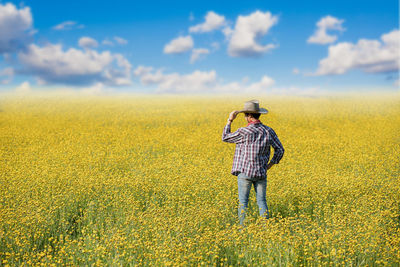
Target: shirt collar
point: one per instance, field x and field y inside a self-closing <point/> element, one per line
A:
<point x="253" y="122"/>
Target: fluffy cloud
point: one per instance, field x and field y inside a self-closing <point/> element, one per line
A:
<point x="6" y="72"/>
<point x="197" y="82"/>
<point x="243" y="38"/>
<point x="68" y="25"/>
<point x="95" y="89"/>
<point x="208" y="82"/>
<point x="23" y="88"/>
<point x="215" y="46"/>
<point x="51" y="64"/>
<point x="117" y="39"/>
<point x="261" y="87"/>
<point x="196" y="53"/>
<point x="142" y="70"/>
<point x="212" y="22"/>
<point x="371" y="56"/>
<point x="179" y="45"/>
<point x="87" y="42"/>
<point x="320" y="35"/>
<point x="263" y="84"/>
<point x="107" y="42"/>
<point x="120" y="40"/>
<point x="15" y="27"/>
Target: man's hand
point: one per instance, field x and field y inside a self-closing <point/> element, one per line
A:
<point x="232" y="115"/>
<point x="270" y="165"/>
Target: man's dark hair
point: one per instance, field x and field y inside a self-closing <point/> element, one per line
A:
<point x="254" y="115"/>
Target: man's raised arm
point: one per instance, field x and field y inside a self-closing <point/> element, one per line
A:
<point x="229" y="137"/>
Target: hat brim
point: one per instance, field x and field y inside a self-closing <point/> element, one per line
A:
<point x="261" y="111"/>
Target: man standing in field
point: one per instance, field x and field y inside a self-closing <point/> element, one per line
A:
<point x="250" y="162"/>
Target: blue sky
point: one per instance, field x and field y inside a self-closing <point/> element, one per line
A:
<point x="287" y="47"/>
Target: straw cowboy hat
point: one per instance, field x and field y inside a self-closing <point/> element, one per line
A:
<point x="252" y="106"/>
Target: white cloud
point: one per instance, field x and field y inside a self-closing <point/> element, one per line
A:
<point x="215" y="46"/>
<point x="208" y="82"/>
<point x="198" y="82"/>
<point x="107" y="42"/>
<point x="68" y="25"/>
<point x="320" y="35"/>
<point x="179" y="45"/>
<point x="196" y="53"/>
<point x="51" y="64"/>
<point x="15" y="27"/>
<point x="213" y="21"/>
<point x="264" y="83"/>
<point x="5" y="81"/>
<point x="7" y="72"/>
<point x="87" y="42"/>
<point x="294" y="90"/>
<point x="23" y="88"/>
<point x="117" y="39"/>
<point x="120" y="40"/>
<point x="95" y="89"/>
<point x="243" y="38"/>
<point x="261" y="87"/>
<point x="142" y="70"/>
<point x="370" y="56"/>
<point x="397" y="83"/>
<point x="227" y="31"/>
<point x="296" y="71"/>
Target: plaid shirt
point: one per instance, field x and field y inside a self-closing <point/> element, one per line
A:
<point x="253" y="148"/>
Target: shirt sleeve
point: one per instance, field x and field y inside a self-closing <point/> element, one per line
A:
<point x="235" y="137"/>
<point x="278" y="148"/>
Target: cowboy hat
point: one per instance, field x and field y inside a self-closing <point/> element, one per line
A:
<point x="252" y="106"/>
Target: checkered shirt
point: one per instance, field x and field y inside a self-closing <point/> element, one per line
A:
<point x="253" y="148"/>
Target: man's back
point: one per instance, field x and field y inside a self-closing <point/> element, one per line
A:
<point x="253" y="149"/>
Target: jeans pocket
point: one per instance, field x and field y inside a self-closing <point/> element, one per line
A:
<point x="242" y="175"/>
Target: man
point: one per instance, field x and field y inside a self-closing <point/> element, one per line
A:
<point x="250" y="162"/>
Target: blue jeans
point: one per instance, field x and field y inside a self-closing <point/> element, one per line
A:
<point x="244" y="187"/>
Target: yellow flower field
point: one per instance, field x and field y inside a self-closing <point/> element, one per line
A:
<point x="145" y="180"/>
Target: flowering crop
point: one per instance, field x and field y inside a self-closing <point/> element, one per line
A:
<point x="140" y="180"/>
